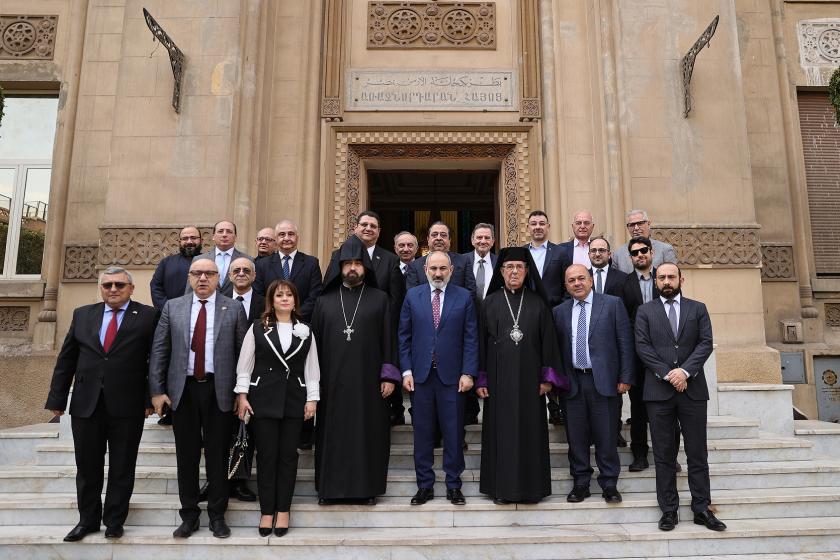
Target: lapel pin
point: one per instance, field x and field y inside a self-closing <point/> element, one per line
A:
<point x="134" y="312"/>
<point x="223" y="308"/>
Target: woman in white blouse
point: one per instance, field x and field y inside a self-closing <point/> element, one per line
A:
<point x="277" y="380"/>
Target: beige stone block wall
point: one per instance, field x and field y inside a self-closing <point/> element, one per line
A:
<point x="22" y="403"/>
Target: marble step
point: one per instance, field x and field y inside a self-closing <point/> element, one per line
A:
<point x="786" y="536"/>
<point x="824" y="435"/>
<point x="20" y="444"/>
<point x="720" y="451"/>
<point x="719" y="427"/>
<point x="402" y="482"/>
<point x="637" y="507"/>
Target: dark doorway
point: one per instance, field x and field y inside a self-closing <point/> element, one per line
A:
<point x="412" y="200"/>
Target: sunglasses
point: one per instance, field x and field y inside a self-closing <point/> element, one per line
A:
<point x="242" y="271"/>
<point x="633" y="225"/>
<point x="117" y="285"/>
<point x="641" y="251"/>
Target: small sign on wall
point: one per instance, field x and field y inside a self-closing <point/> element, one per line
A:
<point x="431" y="90"/>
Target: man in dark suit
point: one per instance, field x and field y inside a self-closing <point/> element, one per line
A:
<point x="440" y="239"/>
<point x="596" y="342"/>
<point x="288" y="263"/>
<point x="223" y="253"/>
<point x="266" y="244"/>
<point x="576" y="250"/>
<point x="170" y="277"/>
<point x="105" y="355"/>
<point x="438" y="339"/>
<point x="674" y="340"/>
<point x="192" y="369"/>
<point x="405" y="246"/>
<point x="606" y="279"/>
<point x="481" y="261"/>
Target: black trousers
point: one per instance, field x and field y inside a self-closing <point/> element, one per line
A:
<point x="198" y="419"/>
<point x="277" y="461"/>
<point x="91" y="437"/>
<point x="591" y="418"/>
<point x="667" y="419"/>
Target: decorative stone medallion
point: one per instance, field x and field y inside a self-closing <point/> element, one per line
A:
<point x="28" y="37"/>
<point x="432" y="24"/>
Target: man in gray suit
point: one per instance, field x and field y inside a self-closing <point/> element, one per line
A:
<point x="674" y="340"/>
<point x="638" y="225"/>
<point x="223" y="253"/>
<point x="192" y="369"/>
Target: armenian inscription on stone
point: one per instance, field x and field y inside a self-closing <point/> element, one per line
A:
<point x="425" y="90"/>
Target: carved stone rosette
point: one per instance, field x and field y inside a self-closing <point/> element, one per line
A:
<point x="14" y="319"/>
<point x="819" y="49"/>
<point x="141" y="247"/>
<point x="777" y="263"/>
<point x="429" y="25"/>
<point x="80" y="263"/>
<point x="705" y="246"/>
<point x="509" y="149"/>
<point x="27" y="37"/>
<point x="832" y="315"/>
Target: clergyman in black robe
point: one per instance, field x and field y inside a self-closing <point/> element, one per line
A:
<point x="352" y="328"/>
<point x="519" y="364"/>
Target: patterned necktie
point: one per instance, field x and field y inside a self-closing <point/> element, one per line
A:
<point x="480" y="279"/>
<point x="286" y="271"/>
<point x="436" y="308"/>
<point x="111" y="332"/>
<point x="672" y="317"/>
<point x="199" y="336"/>
<point x="599" y="284"/>
<point x="581" y="338"/>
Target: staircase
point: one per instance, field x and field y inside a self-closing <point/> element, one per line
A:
<point x="779" y="498"/>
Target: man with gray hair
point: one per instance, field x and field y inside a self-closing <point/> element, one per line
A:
<point x="638" y="225"/>
<point x="105" y="356"/>
<point x="405" y="246"/>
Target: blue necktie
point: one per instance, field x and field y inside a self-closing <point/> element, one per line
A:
<point x="286" y="271"/>
<point x="581" y="339"/>
<point x="221" y="262"/>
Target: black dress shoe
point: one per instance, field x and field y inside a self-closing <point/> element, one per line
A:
<point x="621" y="441"/>
<point x="639" y="464"/>
<point x="578" y="494"/>
<point x="501" y="501"/>
<point x="368" y="501"/>
<point x="679" y="467"/>
<point x="668" y="521"/>
<point x="241" y="492"/>
<point x="264" y="531"/>
<point x="422" y="496"/>
<point x="186" y="529"/>
<point x="114" y="532"/>
<point x="79" y="532"/>
<point x="455" y="496"/>
<point x="165" y="420"/>
<point x="323" y="502"/>
<point x="280" y="531"/>
<point x="220" y="528"/>
<point x="398" y="420"/>
<point x="471" y="421"/>
<point x="202" y="494"/>
<point x="557" y="418"/>
<point x="611" y="495"/>
<point x="708" y="519"/>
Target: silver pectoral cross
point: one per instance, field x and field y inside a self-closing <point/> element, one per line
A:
<point x="348" y="331"/>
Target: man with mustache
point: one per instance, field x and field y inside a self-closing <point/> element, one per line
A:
<point x="170" y="276"/>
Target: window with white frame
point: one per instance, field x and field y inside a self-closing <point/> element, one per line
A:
<point x="27" y="135"/>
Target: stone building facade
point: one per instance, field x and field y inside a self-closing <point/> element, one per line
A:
<point x="298" y="109"/>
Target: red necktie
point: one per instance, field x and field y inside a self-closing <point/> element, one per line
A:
<point x="197" y="346"/>
<point x="436" y="308"/>
<point x="111" y="333"/>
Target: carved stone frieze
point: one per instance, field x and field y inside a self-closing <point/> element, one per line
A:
<point x="80" y="263"/>
<point x="832" y="315"/>
<point x="509" y="149"/>
<point x="777" y="263"/>
<point x="819" y="48"/>
<point x="28" y="37"/>
<point x="701" y="246"/>
<point x="14" y="319"/>
<point x="431" y="24"/>
<point x="331" y="108"/>
<point x="141" y="247"/>
<point x="530" y="110"/>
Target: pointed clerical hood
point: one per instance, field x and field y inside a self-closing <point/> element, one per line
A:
<point x="350" y="250"/>
<point x="532" y="280"/>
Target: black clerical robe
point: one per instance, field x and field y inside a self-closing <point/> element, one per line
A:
<point x="353" y="431"/>
<point x="514" y="441"/>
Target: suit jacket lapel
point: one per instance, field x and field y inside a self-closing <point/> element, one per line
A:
<point x="274" y="347"/>
<point x="447" y="307"/>
<point x="129" y="315"/>
<point x="186" y="312"/>
<point x="221" y="309"/>
<point x="96" y="316"/>
<point x="685" y="308"/>
<point x="296" y="263"/>
<point x="597" y="309"/>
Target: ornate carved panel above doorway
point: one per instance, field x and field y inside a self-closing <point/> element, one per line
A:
<point x="430" y="25"/>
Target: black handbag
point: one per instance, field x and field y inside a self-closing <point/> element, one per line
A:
<point x="239" y="463"/>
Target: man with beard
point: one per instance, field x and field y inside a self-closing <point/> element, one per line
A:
<point x="266" y="244"/>
<point x="352" y="328"/>
<point x="674" y="340"/>
<point x="170" y="277"/>
<point x="439" y="358"/>
<point x="518" y="365"/>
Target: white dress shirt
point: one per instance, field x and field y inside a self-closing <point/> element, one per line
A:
<point x="431" y="299"/>
<point x="247" y="359"/>
<point x="209" y="334"/>
<point x="538" y="254"/>
<point x="292" y="256"/>
<point x="580" y="253"/>
<point x="370" y="251"/>
<point x="606" y="271"/>
<point x="488" y="270"/>
<point x="676" y="299"/>
<point x="246" y="301"/>
<point x="575" y="317"/>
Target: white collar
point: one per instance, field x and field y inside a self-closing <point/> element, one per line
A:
<point x="247" y="295"/>
<point x="229" y="252"/>
<point x="210" y="299"/>
<point x="605" y="268"/>
<point x="578" y="243"/>
<point x="479" y="257"/>
<point x="290" y="255"/>
<point x="676" y="298"/>
<point x="588" y="299"/>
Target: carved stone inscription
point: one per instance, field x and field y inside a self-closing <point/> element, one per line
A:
<point x="425" y="90"/>
<point x="426" y="25"/>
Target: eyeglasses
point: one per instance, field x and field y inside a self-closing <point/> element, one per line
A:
<point x="200" y="273"/>
<point x="597" y="250"/>
<point x="640" y="251"/>
<point x="512" y="267"/>
<point x="242" y="270"/>
<point x="634" y="225"/>
<point x="581" y="223"/>
<point x="117" y="285"/>
<point x="265" y="239"/>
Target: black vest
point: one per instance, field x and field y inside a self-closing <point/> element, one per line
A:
<point x="278" y="387"/>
